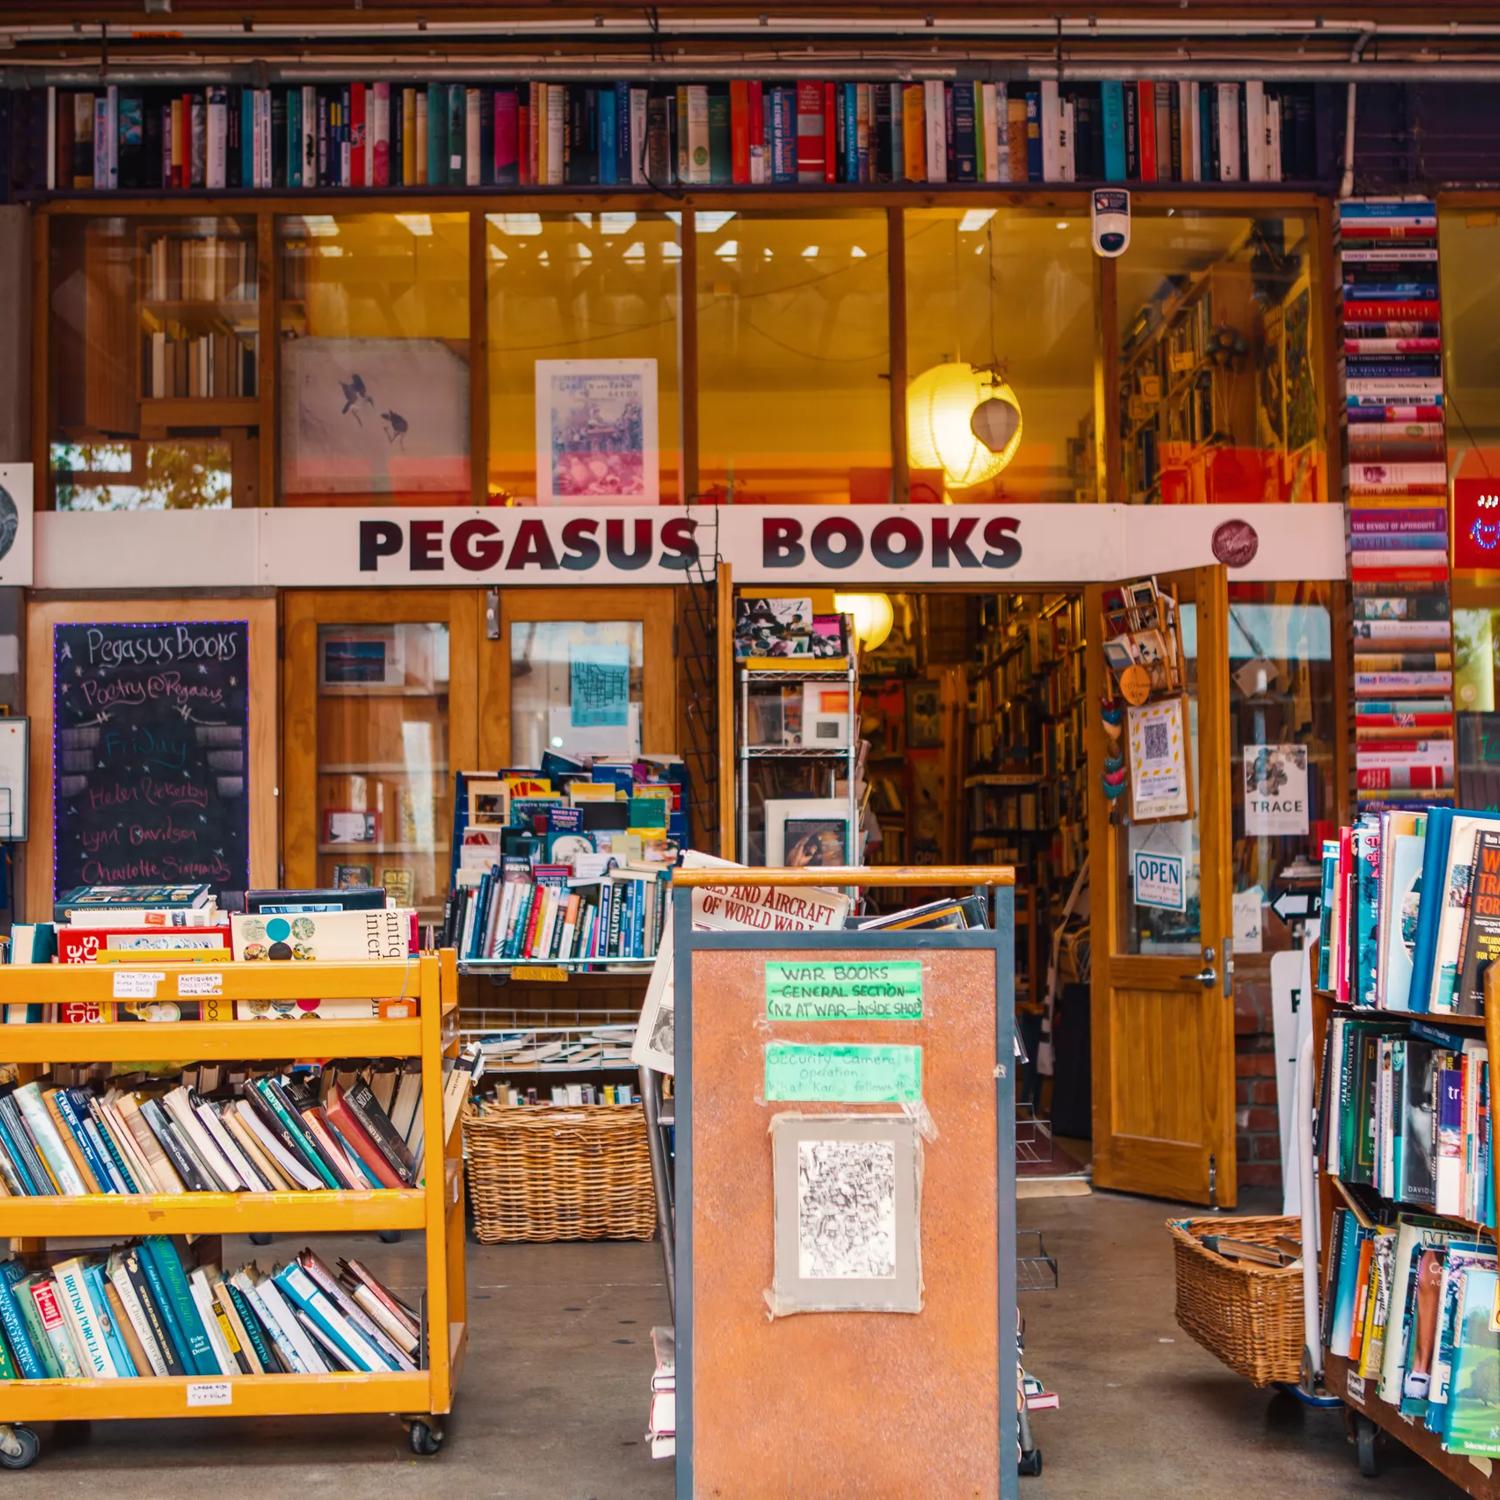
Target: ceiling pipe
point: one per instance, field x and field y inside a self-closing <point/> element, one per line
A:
<point x="1346" y="182"/>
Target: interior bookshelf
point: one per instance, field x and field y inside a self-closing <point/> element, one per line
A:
<point x="434" y="1209"/>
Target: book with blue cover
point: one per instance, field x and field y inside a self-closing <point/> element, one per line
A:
<point x="1434" y="872"/>
<point x="1473" y="1418"/>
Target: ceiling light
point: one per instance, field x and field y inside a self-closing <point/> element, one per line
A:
<point x="729" y="250"/>
<point x="712" y="221"/>
<point x="583" y="252"/>
<point x="635" y="251"/>
<point x="856" y="252"/>
<point x="498" y="255"/>
<point x="873" y="617"/>
<point x="418" y="224"/>
<point x="671" y="251"/>
<point x="330" y="249"/>
<point x="616" y="223"/>
<point x="975" y="219"/>
<point x="587" y="220"/>
<point x="319" y="224"/>
<point x="544" y="259"/>
<point x="517" y="223"/>
<point x="1062" y="223"/>
<point x="953" y="423"/>
<point x="809" y="252"/>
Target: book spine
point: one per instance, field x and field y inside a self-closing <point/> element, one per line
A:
<point x="160" y="1253"/>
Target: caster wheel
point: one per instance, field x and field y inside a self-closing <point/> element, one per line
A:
<point x="425" y="1440"/>
<point x="390" y="1236"/>
<point x="1031" y="1462"/>
<point x="260" y="1239"/>
<point x="1366" y="1436"/>
<point x="19" y="1447"/>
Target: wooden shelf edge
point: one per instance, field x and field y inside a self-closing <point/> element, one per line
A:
<point x="249" y="1396"/>
<point x="1460" y="1469"/>
<point x="211" y="1213"/>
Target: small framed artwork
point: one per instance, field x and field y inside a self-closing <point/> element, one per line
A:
<point x="596" y="432"/>
<point x="350" y="826"/>
<point x="15" y="752"/>
<point x="352" y="877"/>
<point x="807" y="831"/>
<point x="829" y="637"/>
<point x="924" y="716"/>
<point x="489" y="804"/>
<point x="1157" y="746"/>
<point x="1117" y="654"/>
<point x="355" y="657"/>
<point x="400" y="886"/>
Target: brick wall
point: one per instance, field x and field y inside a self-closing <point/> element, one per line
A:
<point x="1257" y="1124"/>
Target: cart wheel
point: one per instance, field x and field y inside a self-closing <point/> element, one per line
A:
<point x="260" y="1239"/>
<point x="19" y="1447"/>
<point x="425" y="1440"/>
<point x="1366" y="1434"/>
<point x="390" y="1236"/>
<point x="1031" y="1462"/>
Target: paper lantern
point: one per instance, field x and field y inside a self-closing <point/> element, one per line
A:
<point x="873" y="617"/>
<point x="964" y="421"/>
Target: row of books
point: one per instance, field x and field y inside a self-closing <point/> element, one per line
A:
<point x="146" y="1309"/>
<point x="1397" y="483"/>
<point x="1411" y="911"/>
<point x="179" y="363"/>
<point x="269" y="1133"/>
<point x="744" y="133"/>
<point x="1410" y="1304"/>
<point x="190" y="268"/>
<point x="1406" y="1111"/>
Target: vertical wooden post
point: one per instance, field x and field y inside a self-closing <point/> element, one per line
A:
<point x="479" y="359"/>
<point x="1108" y="465"/>
<point x="895" y="247"/>
<point x="41" y="332"/>
<point x="728" y="760"/>
<point x="687" y="354"/>
<point x="267" y="366"/>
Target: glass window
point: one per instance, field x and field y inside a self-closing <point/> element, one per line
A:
<point x="374" y="358"/>
<point x="1005" y="295"/>
<point x="582" y="287"/>
<point x="385" y="809"/>
<point x="155" y="332"/>
<point x="793" y="356"/>
<point x="1218" y="330"/>
<point x="576" y="688"/>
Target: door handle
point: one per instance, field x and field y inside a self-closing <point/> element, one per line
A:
<point x="1206" y="975"/>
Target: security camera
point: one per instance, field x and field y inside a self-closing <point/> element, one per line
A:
<point x="1111" y="221"/>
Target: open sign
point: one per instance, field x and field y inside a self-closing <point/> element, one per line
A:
<point x="1158" y="881"/>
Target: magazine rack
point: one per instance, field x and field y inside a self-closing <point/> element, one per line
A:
<point x="420" y="1398"/>
<point x="861" y="1401"/>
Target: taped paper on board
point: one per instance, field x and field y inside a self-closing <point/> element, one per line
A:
<point x="847" y="1192"/>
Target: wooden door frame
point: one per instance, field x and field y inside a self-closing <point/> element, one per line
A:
<point x="1213" y="802"/>
<point x="303" y="610"/>
<point x="655" y="608"/>
<point x="43" y="614"/>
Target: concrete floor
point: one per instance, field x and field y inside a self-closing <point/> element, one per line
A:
<point x="553" y="1398"/>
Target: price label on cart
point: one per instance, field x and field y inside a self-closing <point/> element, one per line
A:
<point x="137" y="984"/>
<point x="209" y="1393"/>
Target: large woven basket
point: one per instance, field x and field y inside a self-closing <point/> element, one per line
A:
<point x="546" y="1173"/>
<point x="1250" y="1316"/>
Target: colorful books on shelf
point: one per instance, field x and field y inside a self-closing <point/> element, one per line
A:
<point x="565" y="863"/>
<point x="1411" y="910"/>
<point x="1397" y="484"/>
<point x="220" y="1128"/>
<point x="148" y="1308"/>
<point x="749" y="132"/>
<point x="1410" y="1304"/>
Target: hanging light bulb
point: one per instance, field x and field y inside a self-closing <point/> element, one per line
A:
<point x="873" y="617"/>
<point x="964" y="421"/>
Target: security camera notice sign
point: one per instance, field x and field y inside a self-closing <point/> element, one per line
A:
<point x="1157" y="880"/>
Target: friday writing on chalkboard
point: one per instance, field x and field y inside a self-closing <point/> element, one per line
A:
<point x="150" y="777"/>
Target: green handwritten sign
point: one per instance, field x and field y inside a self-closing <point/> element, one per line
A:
<point x="846" y="990"/>
<point x="843" y="1074"/>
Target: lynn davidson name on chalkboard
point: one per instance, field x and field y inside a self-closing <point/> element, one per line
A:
<point x="149" y="780"/>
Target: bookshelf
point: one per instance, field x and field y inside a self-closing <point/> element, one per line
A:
<point x="420" y="1398"/>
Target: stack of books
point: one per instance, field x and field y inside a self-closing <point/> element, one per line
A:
<point x="146" y="1309"/>
<point x="567" y="862"/>
<point x="1410" y="1304"/>
<point x="1398" y="502"/>
<point x="749" y="132"/>
<point x="217" y="1128"/>
<point x="661" y="1427"/>
<point x="1411" y="911"/>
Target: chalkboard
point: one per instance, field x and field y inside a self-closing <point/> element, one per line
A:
<point x="150" y="770"/>
<point x="1479" y="761"/>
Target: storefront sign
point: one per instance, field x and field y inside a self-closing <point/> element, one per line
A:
<point x="1157" y="880"/>
<point x="880" y="989"/>
<point x="849" y="1074"/>
<point x="862" y="546"/>
<point x="1275" y="790"/>
<point x="1476" y="523"/>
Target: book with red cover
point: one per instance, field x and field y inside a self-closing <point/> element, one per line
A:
<point x="1146" y="129"/>
<point x="739" y="131"/>
<point x="356" y="135"/>
<point x="358" y="1138"/>
<point x="811" y="139"/>
<point x="82" y="945"/>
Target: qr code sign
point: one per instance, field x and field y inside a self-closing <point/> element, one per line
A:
<point x="1157" y="742"/>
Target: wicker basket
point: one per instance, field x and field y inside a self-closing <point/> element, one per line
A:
<point x="1250" y="1316"/>
<point x="541" y="1174"/>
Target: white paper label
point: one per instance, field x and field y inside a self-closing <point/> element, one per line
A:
<point x="209" y="1393"/>
<point x="200" y="984"/>
<point x="137" y="984"/>
<point x="1354" y="1388"/>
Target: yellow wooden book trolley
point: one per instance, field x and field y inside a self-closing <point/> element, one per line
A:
<point x="426" y="1029"/>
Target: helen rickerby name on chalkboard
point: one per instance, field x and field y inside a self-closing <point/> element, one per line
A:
<point x="150" y="778"/>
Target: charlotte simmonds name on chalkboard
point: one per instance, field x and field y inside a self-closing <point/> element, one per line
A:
<point x="149" y="776"/>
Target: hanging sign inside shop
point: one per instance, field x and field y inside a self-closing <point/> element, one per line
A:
<point x="1275" y="790"/>
<point x="149" y="772"/>
<point x="1157" y="880"/>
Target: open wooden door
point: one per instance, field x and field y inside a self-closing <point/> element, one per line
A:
<point x="1162" y="991"/>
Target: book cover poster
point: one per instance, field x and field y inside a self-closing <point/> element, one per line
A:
<point x="1275" y="790"/>
<point x="596" y="432"/>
